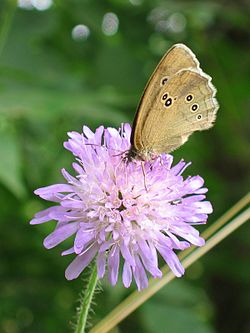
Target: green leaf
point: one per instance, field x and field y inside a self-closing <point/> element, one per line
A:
<point x="178" y="308"/>
<point x="10" y="166"/>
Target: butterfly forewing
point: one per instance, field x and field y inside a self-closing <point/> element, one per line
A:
<point x="175" y="59"/>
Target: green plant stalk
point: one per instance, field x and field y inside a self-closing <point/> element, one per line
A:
<point x="136" y="299"/>
<point x="83" y="311"/>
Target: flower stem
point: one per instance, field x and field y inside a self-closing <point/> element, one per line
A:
<point x="82" y="313"/>
<point x="214" y="234"/>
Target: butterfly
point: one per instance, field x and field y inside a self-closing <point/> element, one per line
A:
<point x="178" y="100"/>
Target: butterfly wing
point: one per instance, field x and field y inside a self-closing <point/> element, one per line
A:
<point x="177" y="58"/>
<point x="186" y="103"/>
<point x="179" y="99"/>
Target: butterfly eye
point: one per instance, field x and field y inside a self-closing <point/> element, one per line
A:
<point x="164" y="97"/>
<point x="199" y="117"/>
<point x="189" y="98"/>
<point x="168" y="102"/>
<point x="194" y="107"/>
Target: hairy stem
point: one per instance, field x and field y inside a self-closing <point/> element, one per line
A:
<point x="82" y="313"/>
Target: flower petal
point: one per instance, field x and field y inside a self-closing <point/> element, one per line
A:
<point x="140" y="275"/>
<point x="60" y="234"/>
<point x="127" y="274"/>
<point x="80" y="263"/>
<point x="82" y="239"/>
<point x="44" y="215"/>
<point x="172" y="260"/>
<point x="101" y="263"/>
<point x="113" y="264"/>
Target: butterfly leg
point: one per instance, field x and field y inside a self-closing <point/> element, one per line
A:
<point x="144" y="176"/>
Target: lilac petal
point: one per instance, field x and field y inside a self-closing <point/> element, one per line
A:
<point x="127" y="254"/>
<point x="75" y="136"/>
<point x="73" y="144"/>
<point x="63" y="215"/>
<point x="69" y="251"/>
<point x="183" y="245"/>
<point x="140" y="275"/>
<point x="200" y="222"/>
<point x="193" y="184"/>
<point x="200" y="241"/>
<point x="113" y="264"/>
<point x="189" y="233"/>
<point x="126" y="128"/>
<point x="105" y="246"/>
<point x="101" y="263"/>
<point x="148" y="259"/>
<point x="78" y="168"/>
<point x="184" y="168"/>
<point x="196" y="219"/>
<point x="153" y="253"/>
<point x="201" y="190"/>
<point x="165" y="240"/>
<point x="177" y="244"/>
<point x="80" y="263"/>
<point x="113" y="132"/>
<point x="179" y="168"/>
<point x="82" y="239"/>
<point x="70" y="179"/>
<point x="87" y="131"/>
<point x="167" y="160"/>
<point x="193" y="198"/>
<point x="127" y="275"/>
<point x="98" y="135"/>
<point x="150" y="267"/>
<point x="43" y="216"/>
<point x="116" y="235"/>
<point x="72" y="204"/>
<point x="204" y="207"/>
<point x="171" y="259"/>
<point x="50" y="191"/>
<point x="176" y="169"/>
<point x="60" y="234"/>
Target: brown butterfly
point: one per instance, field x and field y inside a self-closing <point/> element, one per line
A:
<point x="178" y="100"/>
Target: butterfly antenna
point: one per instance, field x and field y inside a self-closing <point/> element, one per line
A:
<point x="121" y="153"/>
<point x="98" y="145"/>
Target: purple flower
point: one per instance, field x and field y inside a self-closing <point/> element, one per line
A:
<point x="119" y="214"/>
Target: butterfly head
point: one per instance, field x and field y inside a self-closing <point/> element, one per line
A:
<point x="140" y="155"/>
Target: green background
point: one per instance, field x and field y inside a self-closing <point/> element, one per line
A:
<point x="51" y="83"/>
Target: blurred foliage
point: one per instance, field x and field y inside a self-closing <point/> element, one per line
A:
<point x="51" y="83"/>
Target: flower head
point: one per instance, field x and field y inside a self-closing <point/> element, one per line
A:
<point x="118" y="210"/>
